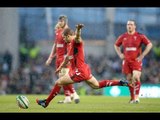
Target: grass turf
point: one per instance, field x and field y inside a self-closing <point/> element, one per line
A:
<point x="88" y="104"/>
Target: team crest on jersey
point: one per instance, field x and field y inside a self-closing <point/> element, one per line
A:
<point x="124" y="38"/>
<point x="135" y="37"/>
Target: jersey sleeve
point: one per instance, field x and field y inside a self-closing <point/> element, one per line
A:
<point x="145" y="40"/>
<point x="119" y="41"/>
<point x="70" y="50"/>
<point x="54" y="39"/>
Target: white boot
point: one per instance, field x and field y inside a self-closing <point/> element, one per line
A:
<point x="134" y="101"/>
<point x="66" y="100"/>
<point x="75" y="97"/>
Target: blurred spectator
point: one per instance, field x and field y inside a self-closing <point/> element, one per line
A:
<point x="7" y="66"/>
<point x="156" y="51"/>
<point x="34" y="50"/>
<point x="23" y="50"/>
<point x="3" y="84"/>
<point x="33" y="75"/>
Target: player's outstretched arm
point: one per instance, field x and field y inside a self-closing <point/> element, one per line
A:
<point x="78" y="33"/>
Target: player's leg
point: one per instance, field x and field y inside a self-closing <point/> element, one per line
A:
<point x="74" y="96"/>
<point x="126" y="69"/>
<point x="120" y="82"/>
<point x="136" y="74"/>
<point x="93" y="83"/>
<point x="131" y="88"/>
<point x="137" y="84"/>
<point x="69" y="91"/>
<point x="45" y="102"/>
<point x="64" y="80"/>
<point x="135" y="68"/>
<point x="103" y="83"/>
<point x="70" y="94"/>
<point x="67" y="94"/>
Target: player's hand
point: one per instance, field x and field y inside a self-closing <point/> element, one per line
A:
<point x="79" y="26"/>
<point x="140" y="58"/>
<point x="58" y="69"/>
<point x="121" y="56"/>
<point x="48" y="62"/>
<point x="57" y="26"/>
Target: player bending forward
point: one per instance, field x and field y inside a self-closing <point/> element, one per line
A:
<point x="59" y="51"/>
<point x="80" y="71"/>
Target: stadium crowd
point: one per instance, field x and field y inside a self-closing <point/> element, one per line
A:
<point x="33" y="77"/>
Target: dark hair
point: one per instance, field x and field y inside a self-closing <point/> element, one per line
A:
<point x="64" y="17"/>
<point x="133" y="21"/>
<point x="68" y="31"/>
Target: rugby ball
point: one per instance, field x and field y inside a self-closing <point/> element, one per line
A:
<point x="22" y="101"/>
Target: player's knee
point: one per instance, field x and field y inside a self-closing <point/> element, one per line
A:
<point x="129" y="78"/>
<point x="93" y="86"/>
<point x="136" y="78"/>
<point x="96" y="86"/>
<point x="58" y="82"/>
<point x="61" y="74"/>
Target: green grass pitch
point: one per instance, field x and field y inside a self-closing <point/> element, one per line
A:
<point x="88" y="104"/>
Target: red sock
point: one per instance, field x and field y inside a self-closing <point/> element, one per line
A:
<point x="104" y="83"/>
<point x="53" y="93"/>
<point x="66" y="90"/>
<point x="132" y="92"/>
<point x="137" y="87"/>
<point x="71" y="88"/>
